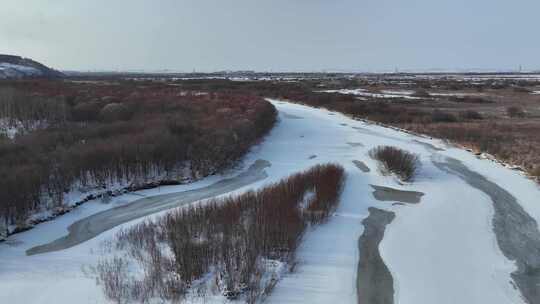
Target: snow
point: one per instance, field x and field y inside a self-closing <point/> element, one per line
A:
<point x="59" y="276"/>
<point x="398" y="92"/>
<point x="460" y="258"/>
<point x="384" y="94"/>
<point x="528" y="77"/>
<point x="456" y="94"/>
<point x="79" y="194"/>
<point x="442" y="250"/>
<point x="7" y="129"/>
<point x="9" y="70"/>
<point x="328" y="256"/>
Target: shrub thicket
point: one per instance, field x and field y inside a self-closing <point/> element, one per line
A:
<point x="94" y="135"/>
<point x="230" y="241"/>
<point x="440" y="116"/>
<point x="515" y="111"/>
<point x="471" y="115"/>
<point x="470" y="99"/>
<point x="400" y="162"/>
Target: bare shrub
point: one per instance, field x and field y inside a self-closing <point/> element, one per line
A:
<point x="421" y="93"/>
<point x="440" y="116"/>
<point x="470" y="99"/>
<point x="521" y="90"/>
<point x="71" y="134"/>
<point x="471" y="115"/>
<point x="113" y="277"/>
<point x="536" y="172"/>
<point x="231" y="238"/>
<point x="400" y="162"/>
<point x="86" y="111"/>
<point x="515" y="111"/>
<point x="115" y="111"/>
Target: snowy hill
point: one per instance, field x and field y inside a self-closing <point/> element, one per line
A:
<point x="16" y="67"/>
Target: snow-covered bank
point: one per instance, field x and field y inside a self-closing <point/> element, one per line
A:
<point x="92" y="226"/>
<point x="82" y="194"/>
<point x="441" y="250"/>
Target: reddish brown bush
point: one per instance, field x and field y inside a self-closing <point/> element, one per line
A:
<point x="470" y="99"/>
<point x="230" y="237"/>
<point x="421" y="93"/>
<point x="400" y="162"/>
<point x="440" y="116"/>
<point x="125" y="132"/>
<point x="515" y="111"/>
<point x="471" y="115"/>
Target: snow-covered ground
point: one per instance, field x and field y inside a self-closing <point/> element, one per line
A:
<point x="455" y="94"/>
<point x="8" y="130"/>
<point x="9" y="70"/>
<point x="405" y="94"/>
<point x="383" y="94"/>
<point x="442" y="250"/>
<point x="398" y="92"/>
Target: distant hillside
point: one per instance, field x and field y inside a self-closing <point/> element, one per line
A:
<point x="15" y="67"/>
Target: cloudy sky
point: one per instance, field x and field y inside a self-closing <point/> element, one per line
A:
<point x="273" y="35"/>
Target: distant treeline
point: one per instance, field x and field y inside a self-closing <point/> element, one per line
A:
<point x="309" y="92"/>
<point x="89" y="134"/>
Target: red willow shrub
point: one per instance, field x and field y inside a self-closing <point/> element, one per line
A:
<point x="400" y="162"/>
<point x="96" y="134"/>
<point x="228" y="240"/>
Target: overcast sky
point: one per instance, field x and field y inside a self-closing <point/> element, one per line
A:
<point x="273" y="35"/>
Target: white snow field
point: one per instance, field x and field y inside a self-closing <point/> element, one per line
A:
<point x="441" y="250"/>
<point x="404" y="94"/>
